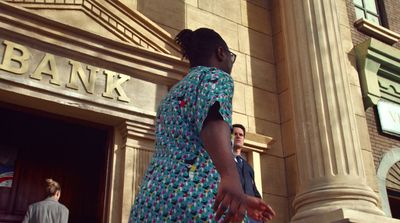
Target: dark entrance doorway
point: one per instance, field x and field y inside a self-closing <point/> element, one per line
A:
<point x="394" y="202"/>
<point x="37" y="146"/>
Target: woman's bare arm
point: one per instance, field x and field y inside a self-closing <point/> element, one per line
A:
<point x="230" y="199"/>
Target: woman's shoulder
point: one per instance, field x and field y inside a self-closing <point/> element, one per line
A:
<point x="209" y="73"/>
<point x="63" y="207"/>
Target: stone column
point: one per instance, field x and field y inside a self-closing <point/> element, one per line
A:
<point x="256" y="160"/>
<point x="331" y="177"/>
<point x="255" y="145"/>
<point x="133" y="149"/>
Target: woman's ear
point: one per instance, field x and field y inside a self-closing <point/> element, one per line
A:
<point x="58" y="194"/>
<point x="220" y="53"/>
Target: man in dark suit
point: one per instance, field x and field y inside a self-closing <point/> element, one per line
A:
<point x="246" y="172"/>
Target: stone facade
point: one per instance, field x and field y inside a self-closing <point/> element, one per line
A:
<point x="381" y="144"/>
<point x="247" y="26"/>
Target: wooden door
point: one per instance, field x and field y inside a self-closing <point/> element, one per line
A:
<point x="72" y="153"/>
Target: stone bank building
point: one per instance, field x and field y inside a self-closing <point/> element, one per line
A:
<point x="317" y="85"/>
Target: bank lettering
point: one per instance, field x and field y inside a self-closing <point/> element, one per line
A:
<point x="47" y="66"/>
<point x="17" y="59"/>
<point x="18" y="54"/>
<point x="77" y="73"/>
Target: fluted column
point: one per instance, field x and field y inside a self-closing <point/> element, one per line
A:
<point x="133" y="149"/>
<point x="330" y="168"/>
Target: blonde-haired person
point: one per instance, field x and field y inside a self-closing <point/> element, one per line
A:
<point x="49" y="210"/>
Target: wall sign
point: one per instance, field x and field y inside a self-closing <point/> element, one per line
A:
<point x="28" y="63"/>
<point x="389" y="117"/>
<point x="27" y="68"/>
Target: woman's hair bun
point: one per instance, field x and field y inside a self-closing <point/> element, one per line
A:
<point x="52" y="186"/>
<point x="184" y="40"/>
<point x="50" y="181"/>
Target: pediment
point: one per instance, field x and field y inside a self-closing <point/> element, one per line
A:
<point x="125" y="42"/>
<point x="106" y="18"/>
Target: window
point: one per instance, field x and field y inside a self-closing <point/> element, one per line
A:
<point x="368" y="9"/>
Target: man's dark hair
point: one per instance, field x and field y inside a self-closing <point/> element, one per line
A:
<point x="239" y="126"/>
<point x="199" y="45"/>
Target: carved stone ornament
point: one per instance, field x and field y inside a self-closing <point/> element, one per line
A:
<point x="379" y="70"/>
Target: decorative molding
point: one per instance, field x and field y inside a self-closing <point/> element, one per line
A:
<point x="390" y="90"/>
<point x="27" y="28"/>
<point x="138" y="135"/>
<point x="147" y="24"/>
<point x="127" y="25"/>
<point x="376" y="31"/>
<point x="257" y="143"/>
<point x="379" y="71"/>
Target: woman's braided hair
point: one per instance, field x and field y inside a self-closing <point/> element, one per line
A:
<point x="199" y="45"/>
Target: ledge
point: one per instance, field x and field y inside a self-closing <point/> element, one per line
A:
<point x="378" y="32"/>
<point x="346" y="215"/>
<point x="257" y="143"/>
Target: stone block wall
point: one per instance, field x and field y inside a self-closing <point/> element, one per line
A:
<point x="247" y="26"/>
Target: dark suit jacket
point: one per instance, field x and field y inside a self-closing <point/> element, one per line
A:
<point x="246" y="174"/>
<point x="46" y="211"/>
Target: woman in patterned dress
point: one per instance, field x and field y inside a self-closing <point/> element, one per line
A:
<point x="192" y="176"/>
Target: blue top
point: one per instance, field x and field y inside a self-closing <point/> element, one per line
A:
<point x="181" y="181"/>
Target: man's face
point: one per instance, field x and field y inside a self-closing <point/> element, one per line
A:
<point x="238" y="137"/>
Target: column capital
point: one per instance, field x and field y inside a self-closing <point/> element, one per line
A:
<point x="137" y="134"/>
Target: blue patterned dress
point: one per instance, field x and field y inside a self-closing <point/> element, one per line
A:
<point x="181" y="182"/>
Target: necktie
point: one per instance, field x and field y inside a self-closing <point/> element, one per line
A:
<point x="239" y="160"/>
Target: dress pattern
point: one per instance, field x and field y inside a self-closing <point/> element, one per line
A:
<point x="181" y="181"/>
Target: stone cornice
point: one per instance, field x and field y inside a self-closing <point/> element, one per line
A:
<point x="257" y="143"/>
<point x="127" y="25"/>
<point x="21" y="25"/>
<point x="379" y="68"/>
<point x="147" y="25"/>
